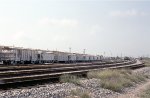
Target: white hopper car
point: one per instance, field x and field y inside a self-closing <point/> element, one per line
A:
<point x="14" y="55"/>
<point x="47" y="57"/>
<point x="60" y="56"/>
<point x="79" y="57"/>
<point x="86" y="57"/>
<point x="71" y="57"/>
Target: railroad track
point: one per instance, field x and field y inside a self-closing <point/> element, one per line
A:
<point x="14" y="74"/>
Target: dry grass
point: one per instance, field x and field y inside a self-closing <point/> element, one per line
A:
<point x="78" y="94"/>
<point x="75" y="80"/>
<point x="146" y="93"/>
<point x="70" y="79"/>
<point x="147" y="61"/>
<point x="116" y="80"/>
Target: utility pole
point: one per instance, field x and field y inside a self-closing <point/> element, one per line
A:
<point x="84" y="54"/>
<point x="121" y="55"/>
<point x="84" y="51"/>
<point x="104" y="54"/>
<point x="70" y="49"/>
<point x="110" y="53"/>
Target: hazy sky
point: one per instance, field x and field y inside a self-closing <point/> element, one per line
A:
<point x="99" y="26"/>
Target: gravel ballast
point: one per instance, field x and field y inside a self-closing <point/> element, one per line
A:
<point x="60" y="90"/>
<point x="63" y="90"/>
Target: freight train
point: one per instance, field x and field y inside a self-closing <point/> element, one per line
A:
<point x="19" y="55"/>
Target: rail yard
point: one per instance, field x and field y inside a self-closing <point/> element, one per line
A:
<point x="20" y="64"/>
<point x="74" y="49"/>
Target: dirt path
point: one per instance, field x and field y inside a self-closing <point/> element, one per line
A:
<point x="138" y="90"/>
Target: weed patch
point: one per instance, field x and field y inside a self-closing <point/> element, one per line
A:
<point x="116" y="80"/>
